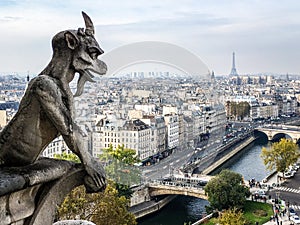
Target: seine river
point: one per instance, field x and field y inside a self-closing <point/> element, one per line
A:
<point x="185" y="209"/>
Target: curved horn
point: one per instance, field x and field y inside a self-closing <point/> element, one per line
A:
<point x="88" y="24"/>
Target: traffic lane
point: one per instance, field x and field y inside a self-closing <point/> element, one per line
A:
<point x="292" y="198"/>
<point x="206" y="150"/>
<point x="164" y="167"/>
<point x="168" y="160"/>
<point x="171" y="166"/>
<point x="178" y="158"/>
<point x="293" y="182"/>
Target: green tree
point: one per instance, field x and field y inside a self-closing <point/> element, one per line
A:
<point x="108" y="207"/>
<point x="66" y="156"/>
<point x="232" y="106"/>
<point x="120" y="167"/>
<point x="101" y="208"/>
<point x="122" y="154"/>
<point x="231" y="217"/>
<point x="280" y="155"/>
<point x="238" y="110"/>
<point x="243" y="110"/>
<point x="226" y="190"/>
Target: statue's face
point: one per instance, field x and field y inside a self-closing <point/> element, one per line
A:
<point x="85" y="50"/>
<point x="85" y="56"/>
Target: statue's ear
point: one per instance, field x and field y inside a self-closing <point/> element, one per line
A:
<point x="71" y="40"/>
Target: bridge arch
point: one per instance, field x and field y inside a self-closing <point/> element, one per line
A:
<point x="261" y="135"/>
<point x="276" y="137"/>
<point x="275" y="133"/>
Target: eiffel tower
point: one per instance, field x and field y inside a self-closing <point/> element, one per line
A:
<point x="233" y="69"/>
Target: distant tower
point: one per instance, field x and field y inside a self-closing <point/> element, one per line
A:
<point x="212" y="77"/>
<point x="233" y="69"/>
<point x="27" y="78"/>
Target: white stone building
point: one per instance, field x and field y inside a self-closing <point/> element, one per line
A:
<point x="136" y="135"/>
<point x="172" y="123"/>
<point x="57" y="146"/>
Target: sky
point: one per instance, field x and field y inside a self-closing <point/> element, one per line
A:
<point x="264" y="34"/>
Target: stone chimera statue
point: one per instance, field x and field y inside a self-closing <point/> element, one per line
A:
<point x="47" y="108"/>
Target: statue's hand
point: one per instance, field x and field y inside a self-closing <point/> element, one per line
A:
<point x="95" y="181"/>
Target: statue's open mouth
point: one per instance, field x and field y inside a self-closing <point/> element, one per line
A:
<point x="98" y="67"/>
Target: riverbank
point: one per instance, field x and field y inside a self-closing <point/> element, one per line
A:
<point x="228" y="156"/>
<point x="188" y="209"/>
<point x="150" y="207"/>
<point x="147" y="208"/>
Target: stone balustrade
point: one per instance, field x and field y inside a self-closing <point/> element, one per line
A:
<point x="170" y="188"/>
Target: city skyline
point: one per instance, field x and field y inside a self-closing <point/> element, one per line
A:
<point x="263" y="34"/>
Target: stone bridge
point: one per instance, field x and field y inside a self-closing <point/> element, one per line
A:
<point x="279" y="131"/>
<point x="172" y="188"/>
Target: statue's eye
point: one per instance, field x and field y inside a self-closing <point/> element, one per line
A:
<point x="94" y="52"/>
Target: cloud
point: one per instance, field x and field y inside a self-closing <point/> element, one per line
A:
<point x="257" y="30"/>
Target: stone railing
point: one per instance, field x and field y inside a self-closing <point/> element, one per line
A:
<point x="170" y="188"/>
<point x="30" y="195"/>
<point x="159" y="183"/>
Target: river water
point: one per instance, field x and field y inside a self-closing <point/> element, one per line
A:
<point x="185" y="209"/>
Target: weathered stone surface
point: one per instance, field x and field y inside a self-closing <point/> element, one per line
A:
<point x="74" y="222"/>
<point x="45" y="170"/>
<point x="20" y="222"/>
<point x="52" y="196"/>
<point x="21" y="204"/>
<point x="42" y="171"/>
<point x="10" y="181"/>
<point x="4" y="213"/>
<point x="45" y="189"/>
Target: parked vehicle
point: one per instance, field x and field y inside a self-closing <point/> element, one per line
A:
<point x="288" y="174"/>
<point x="294" y="167"/>
<point x="292" y="212"/>
<point x="260" y="194"/>
<point x="295" y="219"/>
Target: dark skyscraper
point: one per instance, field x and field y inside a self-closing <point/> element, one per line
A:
<point x="233" y="69"/>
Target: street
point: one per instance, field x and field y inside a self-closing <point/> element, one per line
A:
<point x="289" y="192"/>
<point x="178" y="158"/>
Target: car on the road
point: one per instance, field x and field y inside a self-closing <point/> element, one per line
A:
<point x="260" y="194"/>
<point x="295" y="219"/>
<point x="202" y="183"/>
<point x="292" y="172"/>
<point x="286" y="174"/>
<point x="294" y="167"/>
<point x="292" y="212"/>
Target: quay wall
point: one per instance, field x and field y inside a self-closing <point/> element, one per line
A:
<point x="156" y="206"/>
<point x="228" y="156"/>
<point x="204" y="219"/>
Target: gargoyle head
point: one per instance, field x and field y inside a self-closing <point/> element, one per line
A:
<point x="80" y="49"/>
